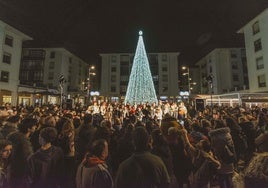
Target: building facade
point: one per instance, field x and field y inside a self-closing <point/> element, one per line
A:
<point x="10" y="52"/>
<point x="43" y="68"/>
<point x="116" y="69"/>
<point x="256" y="42"/>
<point x="223" y="70"/>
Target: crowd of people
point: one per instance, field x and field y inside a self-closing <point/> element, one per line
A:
<point x="114" y="145"/>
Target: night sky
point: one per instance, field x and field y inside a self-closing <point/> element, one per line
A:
<point x="90" y="27"/>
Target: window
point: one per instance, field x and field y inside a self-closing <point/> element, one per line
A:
<point x="52" y="55"/>
<point x="51" y="75"/>
<point x="124" y="58"/>
<point x="4" y="76"/>
<point x="165" y="89"/>
<point x="164" y="69"/>
<point x="38" y="76"/>
<point x="233" y="54"/>
<point x="257" y="45"/>
<point x="113" y="89"/>
<point x="7" y="58"/>
<point x="113" y="59"/>
<point x="262" y="80"/>
<point x="51" y="65"/>
<point x="113" y="69"/>
<point x="9" y="40"/>
<point x="164" y="78"/>
<point x="210" y="69"/>
<point x="234" y="65"/>
<point x="235" y="78"/>
<point x="113" y="78"/>
<point x="70" y="60"/>
<point x="259" y="63"/>
<point x="255" y="28"/>
<point x="164" y="57"/>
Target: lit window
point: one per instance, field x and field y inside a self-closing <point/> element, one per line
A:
<point x="262" y="80"/>
<point x="259" y="63"/>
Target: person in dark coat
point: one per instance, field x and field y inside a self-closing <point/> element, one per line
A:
<point x="11" y="125"/>
<point x="22" y="149"/>
<point x="5" y="154"/>
<point x="143" y="169"/>
<point x="93" y="171"/>
<point x="161" y="148"/>
<point x="223" y="147"/>
<point x="46" y="164"/>
<point x="84" y="136"/>
<point x="182" y="161"/>
<point x="255" y="174"/>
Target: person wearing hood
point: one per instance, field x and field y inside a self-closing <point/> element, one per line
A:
<point x="93" y="171"/>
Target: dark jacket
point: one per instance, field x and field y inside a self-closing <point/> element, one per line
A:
<point x="46" y="168"/>
<point x="143" y="170"/>
<point x="7" y="129"/>
<point x="223" y="147"/>
<point x="22" y="149"/>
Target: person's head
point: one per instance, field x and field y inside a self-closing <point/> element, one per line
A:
<point x="99" y="148"/>
<point x="88" y="119"/>
<point x="28" y="125"/>
<point x="50" y="121"/>
<point x="158" y="138"/>
<point x="5" y="148"/>
<point x="204" y="145"/>
<point x="14" y="119"/>
<point x="140" y="139"/>
<point x="47" y="135"/>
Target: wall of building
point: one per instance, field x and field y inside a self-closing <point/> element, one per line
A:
<point x="116" y="69"/>
<point x="13" y="68"/>
<point x="252" y="56"/>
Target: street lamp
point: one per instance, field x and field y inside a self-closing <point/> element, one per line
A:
<point x="90" y="69"/>
<point x="210" y="81"/>
<point x="188" y="79"/>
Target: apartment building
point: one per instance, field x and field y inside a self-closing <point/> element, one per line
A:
<point x="11" y="41"/>
<point x="256" y="43"/>
<point x="223" y="70"/>
<point x="43" y="68"/>
<point x="116" y="69"/>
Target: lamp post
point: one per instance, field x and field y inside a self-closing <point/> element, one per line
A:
<point x="188" y="80"/>
<point x="210" y="81"/>
<point x="90" y="69"/>
<point x="61" y="85"/>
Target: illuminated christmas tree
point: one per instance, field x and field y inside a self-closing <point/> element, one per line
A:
<point x="140" y="88"/>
